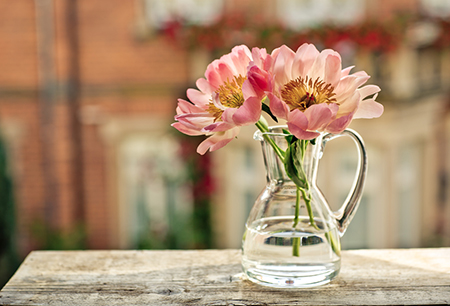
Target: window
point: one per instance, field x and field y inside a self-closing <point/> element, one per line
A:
<point x="300" y="14"/>
<point x="158" y="13"/>
<point x="436" y="8"/>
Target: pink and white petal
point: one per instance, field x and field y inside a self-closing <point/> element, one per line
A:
<point x="270" y="60"/>
<point x="243" y="51"/>
<point x="241" y="56"/>
<point x="347" y="86"/>
<point x="195" y="121"/>
<point x="249" y="112"/>
<point x="368" y="90"/>
<point x="332" y="70"/>
<point x="334" y="108"/>
<point x="278" y="107"/>
<point x="301" y="133"/>
<point x="227" y="115"/>
<point x="362" y="78"/>
<point x="298" y="125"/>
<point x="226" y="74"/>
<point x="258" y="56"/>
<point x="283" y="65"/>
<point x="212" y="76"/>
<point x="369" y="109"/>
<point x="349" y="105"/>
<point x="228" y="59"/>
<point x="318" y="68"/>
<point x="185" y="130"/>
<point x="185" y="107"/>
<point x="361" y="73"/>
<point x="197" y="97"/>
<point x="318" y="115"/>
<point x="204" y="86"/>
<point x="346" y="71"/>
<point x="218" y="127"/>
<point x="217" y="141"/>
<point x="248" y="90"/>
<point x="263" y="60"/>
<point x="259" y="80"/>
<point x="216" y="101"/>
<point x="304" y="59"/>
<point x="340" y="124"/>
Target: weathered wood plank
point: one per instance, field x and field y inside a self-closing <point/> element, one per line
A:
<point x="213" y="277"/>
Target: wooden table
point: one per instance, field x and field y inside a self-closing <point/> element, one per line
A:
<point x="213" y="277"/>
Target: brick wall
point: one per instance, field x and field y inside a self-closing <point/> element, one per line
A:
<point x="113" y="70"/>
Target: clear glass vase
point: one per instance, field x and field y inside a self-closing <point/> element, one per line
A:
<point x="288" y="242"/>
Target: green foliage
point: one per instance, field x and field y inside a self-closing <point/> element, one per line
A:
<point x="9" y="260"/>
<point x="183" y="229"/>
<point x="293" y="162"/>
<point x="266" y="109"/>
<point x="56" y="239"/>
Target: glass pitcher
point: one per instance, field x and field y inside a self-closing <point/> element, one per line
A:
<point x="279" y="251"/>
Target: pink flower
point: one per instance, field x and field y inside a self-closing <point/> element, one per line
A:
<point x="225" y="101"/>
<point x="314" y="94"/>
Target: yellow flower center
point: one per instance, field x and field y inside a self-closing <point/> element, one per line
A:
<point x="301" y="93"/>
<point x="229" y="94"/>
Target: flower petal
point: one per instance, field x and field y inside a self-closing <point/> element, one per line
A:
<point x="348" y="85"/>
<point x="332" y="70"/>
<point x="258" y="79"/>
<point x="318" y="115"/>
<point x="340" y="124"/>
<point x="212" y="76"/>
<point x="188" y="131"/>
<point x="346" y="71"/>
<point x="283" y="65"/>
<point x="185" y="107"/>
<point x="318" y="68"/>
<point x="300" y="133"/>
<point x="195" y="121"/>
<point x="250" y="91"/>
<point x="204" y="86"/>
<point x="298" y="125"/>
<point x="349" y="105"/>
<point x="304" y="59"/>
<point x="217" y="141"/>
<point x="249" y="112"/>
<point x="369" y="109"/>
<point x="225" y="73"/>
<point x="368" y="90"/>
<point x="278" y="107"/>
<point x="240" y="56"/>
<point x="217" y="127"/>
<point x="197" y="97"/>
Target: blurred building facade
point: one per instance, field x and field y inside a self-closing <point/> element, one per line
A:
<point x="88" y="91"/>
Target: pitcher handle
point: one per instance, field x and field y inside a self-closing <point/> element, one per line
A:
<point x="348" y="209"/>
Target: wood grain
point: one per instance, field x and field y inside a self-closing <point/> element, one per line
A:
<point x="213" y="277"/>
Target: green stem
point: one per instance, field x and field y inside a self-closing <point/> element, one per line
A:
<point x="307" y="199"/>
<point x="296" y="240"/>
<point x="296" y="247"/>
<point x="297" y="208"/>
<point x="334" y="245"/>
<point x="264" y="129"/>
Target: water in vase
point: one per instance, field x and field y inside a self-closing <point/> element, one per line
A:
<point x="275" y="254"/>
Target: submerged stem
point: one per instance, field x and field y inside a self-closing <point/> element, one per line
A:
<point x="307" y="199"/>
<point x="296" y="240"/>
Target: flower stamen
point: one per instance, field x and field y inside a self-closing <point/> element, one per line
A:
<point x="302" y="93"/>
<point x="229" y="95"/>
